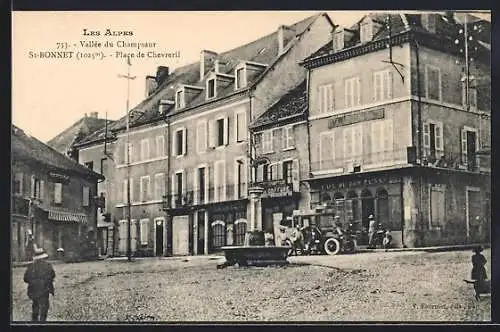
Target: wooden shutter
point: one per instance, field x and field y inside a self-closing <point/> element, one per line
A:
<point x="376" y="136"/>
<point x="42" y="189"/>
<point x="388" y="135"/>
<point x="172" y="190"/>
<point x="33" y="186"/>
<point x="133" y="235"/>
<point x="184" y="141"/>
<point x="438" y="137"/>
<point x="296" y="176"/>
<point x="196" y="185"/>
<point x="348" y="144"/>
<point x="226" y="130"/>
<point x="58" y="193"/>
<point x="388" y="84"/>
<point x="260" y="173"/>
<point x="144" y="230"/>
<point x="357" y="140"/>
<point x="174" y="144"/>
<point x="326" y="150"/>
<point x="463" y="135"/>
<point x="131" y="190"/>
<point x="279" y="172"/>
<point x="211" y="133"/>
<point x="426" y="136"/>
<point x="357" y="91"/>
<point x="86" y="196"/>
<point x="377" y="86"/>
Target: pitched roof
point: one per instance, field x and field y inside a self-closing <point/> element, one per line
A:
<point x="29" y="149"/>
<point x="399" y="23"/>
<point x="263" y="50"/>
<point x="76" y="132"/>
<point x="290" y="106"/>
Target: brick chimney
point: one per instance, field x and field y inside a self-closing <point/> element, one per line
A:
<point x="161" y="74"/>
<point x="151" y="85"/>
<point x="207" y="59"/>
<point x="94" y="114"/>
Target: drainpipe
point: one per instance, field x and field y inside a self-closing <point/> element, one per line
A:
<point x="419" y="141"/>
<point x="250" y="166"/>
<point x="308" y="89"/>
<point x="167" y="187"/>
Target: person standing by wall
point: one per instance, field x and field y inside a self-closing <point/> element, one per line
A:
<point x="40" y="279"/>
<point x="29" y="246"/>
<point x="372" y="229"/>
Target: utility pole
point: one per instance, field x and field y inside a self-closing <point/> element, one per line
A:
<point x="127" y="149"/>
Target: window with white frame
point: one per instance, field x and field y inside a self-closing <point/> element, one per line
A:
<point x="338" y="40"/>
<point x="201" y="136"/>
<point x="288" y="138"/>
<point x="86" y="196"/>
<point x="432" y="83"/>
<point x="159" y="186"/>
<point x="145" y="189"/>
<point x="211" y="88"/>
<point x="326" y="150"/>
<point x="145" y="149"/>
<point x="472" y="97"/>
<point x="288" y="171"/>
<point x="267" y="141"/>
<point x="179" y="99"/>
<point x="326" y="98"/>
<point x="160" y="146"/>
<point x="470" y="142"/>
<point x="180" y="142"/>
<point x="240" y="81"/>
<point x="201" y="184"/>
<point x="178" y="187"/>
<point x="275" y="171"/>
<point x="125" y="190"/>
<point x="37" y="188"/>
<point x="366" y="31"/>
<point x="433" y="139"/>
<point x="241" y="126"/>
<point x="18" y="184"/>
<point x="353" y="142"/>
<point x="382" y="85"/>
<point x="144" y="230"/>
<point x="58" y="193"/>
<point x="352" y="92"/>
<point x="220" y="180"/>
<point x="382" y="137"/>
<point x="221" y="131"/>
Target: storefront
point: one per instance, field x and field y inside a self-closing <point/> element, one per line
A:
<point x="227" y="224"/>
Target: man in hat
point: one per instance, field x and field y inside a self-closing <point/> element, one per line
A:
<point x="29" y="245"/>
<point x="372" y="229"/>
<point x="40" y="279"/>
<point x="338" y="226"/>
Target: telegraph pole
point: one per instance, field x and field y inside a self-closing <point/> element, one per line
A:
<point x="127" y="149"/>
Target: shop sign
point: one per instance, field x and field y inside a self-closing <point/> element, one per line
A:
<point x="355" y="117"/>
<point x="227" y="208"/>
<point x="58" y="177"/>
<point x="277" y="189"/>
<point x="380" y="180"/>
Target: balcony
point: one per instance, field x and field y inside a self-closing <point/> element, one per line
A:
<point x="364" y="162"/>
<point x="476" y="163"/>
<point x="208" y="196"/>
<point x="20" y="206"/>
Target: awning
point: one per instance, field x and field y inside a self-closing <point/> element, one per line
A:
<point x="68" y="216"/>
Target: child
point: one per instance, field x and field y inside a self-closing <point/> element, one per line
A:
<point x="478" y="262"/>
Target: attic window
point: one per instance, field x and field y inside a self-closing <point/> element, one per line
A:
<point x="338" y="40"/>
<point x="366" y="31"/>
<point x="240" y="78"/>
<point x="179" y="99"/>
<point x="262" y="50"/>
<point x="211" y="88"/>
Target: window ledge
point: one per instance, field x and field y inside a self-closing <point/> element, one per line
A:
<point x="268" y="152"/>
<point x="139" y="203"/>
<point x="290" y="148"/>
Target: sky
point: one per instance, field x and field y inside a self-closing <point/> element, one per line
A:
<point x="49" y="95"/>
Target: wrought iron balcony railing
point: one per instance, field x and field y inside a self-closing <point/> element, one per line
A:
<point x="452" y="160"/>
<point x="205" y="196"/>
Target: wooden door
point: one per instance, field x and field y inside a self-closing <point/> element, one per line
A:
<point x="180" y="235"/>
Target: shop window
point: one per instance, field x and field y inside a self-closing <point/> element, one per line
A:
<point x="352" y="206"/>
<point x="383" y="207"/>
<point x="339" y="205"/>
<point x="218" y="234"/>
<point x="240" y="228"/>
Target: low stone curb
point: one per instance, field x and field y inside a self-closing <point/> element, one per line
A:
<point x="430" y="249"/>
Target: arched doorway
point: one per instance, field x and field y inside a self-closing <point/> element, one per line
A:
<point x="383" y="207"/>
<point x="367" y="207"/>
<point x="240" y="228"/>
<point x="218" y="234"/>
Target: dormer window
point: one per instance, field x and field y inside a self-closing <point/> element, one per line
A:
<point x="366" y="31"/>
<point x="211" y="88"/>
<point x="240" y="74"/>
<point x="338" y="39"/>
<point x="429" y="22"/>
<point x="179" y="99"/>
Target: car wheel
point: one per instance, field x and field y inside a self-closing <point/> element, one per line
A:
<point x="332" y="246"/>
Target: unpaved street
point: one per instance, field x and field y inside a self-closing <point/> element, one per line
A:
<point x="396" y="286"/>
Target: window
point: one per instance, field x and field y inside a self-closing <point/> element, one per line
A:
<point x="275" y="171"/>
<point x="180" y="142"/>
<point x="179" y="187"/>
<point x="288" y="171"/>
<point x="469" y="147"/>
<point x="437" y="202"/>
<point x="239" y="180"/>
<point x="160" y="146"/>
<point x="326" y="98"/>
<point x="144" y="230"/>
<point x="327" y="151"/>
<point x="220" y="180"/>
<point x="382" y="136"/>
<point x="338" y="40"/>
<point x="86" y="196"/>
<point x="125" y="189"/>
<point x="201" y="185"/>
<point x="179" y="99"/>
<point x="159" y="186"/>
<point x="352" y="92"/>
<point x="220" y="132"/>
<point x="241" y="126"/>
<point x="432" y="83"/>
<point x="89" y="165"/>
<point x="433" y="140"/>
<point x="218" y="234"/>
<point x="288" y="138"/>
<point x="211" y="88"/>
<point x="366" y="31"/>
<point x="145" y="192"/>
<point x="353" y="142"/>
<point x="201" y="137"/>
<point x="57" y="193"/>
<point x="382" y="85"/>
<point x="240" y="78"/>
<point x="145" y="149"/>
<point x="267" y="141"/>
<point x="472" y="97"/>
<point x="18" y="184"/>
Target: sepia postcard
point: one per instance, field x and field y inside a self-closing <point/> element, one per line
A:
<point x="251" y="166"/>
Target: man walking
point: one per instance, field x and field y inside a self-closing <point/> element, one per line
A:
<point x="372" y="228"/>
<point x="40" y="277"/>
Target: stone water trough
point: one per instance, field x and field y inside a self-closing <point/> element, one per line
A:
<point x="254" y="253"/>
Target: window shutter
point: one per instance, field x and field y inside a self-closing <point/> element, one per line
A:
<point x="295" y="176"/>
<point x="376" y="86"/>
<point x="348" y="146"/>
<point x="438" y="136"/>
<point x="86" y="196"/>
<point x="291" y="136"/>
<point x="172" y="190"/>
<point x="58" y="193"/>
<point x="426" y="136"/>
<point x="184" y="141"/>
<point x="319" y="98"/>
<point x="131" y="190"/>
<point x="357" y="91"/>
<point x="125" y="191"/>
<point x="388" y="135"/>
<point x="211" y="133"/>
<point x="388" y="84"/>
<point x="464" y="145"/>
<point x="260" y="173"/>
<point x="226" y="130"/>
<point x="41" y="190"/>
<point x="33" y="186"/>
<point x="133" y="235"/>
<point x="326" y="150"/>
<point x="174" y="144"/>
<point x="275" y="140"/>
<point x="207" y="183"/>
<point x="196" y="185"/>
<point x="280" y="170"/>
<point x="331" y="97"/>
<point x="144" y="231"/>
<point x="358" y="141"/>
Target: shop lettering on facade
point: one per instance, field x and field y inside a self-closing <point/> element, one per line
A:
<point x="351" y="118"/>
<point x="228" y="208"/>
<point x="277" y="189"/>
<point x="381" y="180"/>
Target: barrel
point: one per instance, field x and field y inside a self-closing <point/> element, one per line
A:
<point x="256" y="238"/>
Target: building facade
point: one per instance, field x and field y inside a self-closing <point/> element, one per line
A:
<point x="190" y="154"/>
<point x="394" y="136"/>
<point x="53" y="197"/>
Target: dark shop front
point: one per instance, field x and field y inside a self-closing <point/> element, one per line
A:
<point x="227" y="224"/>
<point x="354" y="198"/>
<point x="278" y="202"/>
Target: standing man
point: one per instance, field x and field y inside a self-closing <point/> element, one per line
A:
<point x="40" y="279"/>
<point x="29" y="245"/>
<point x="372" y="229"/>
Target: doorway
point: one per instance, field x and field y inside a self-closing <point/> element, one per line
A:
<point x="159" y="237"/>
<point x="201" y="232"/>
<point x="471" y="150"/>
<point x="367" y="207"/>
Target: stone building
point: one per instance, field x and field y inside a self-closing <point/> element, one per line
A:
<point x="393" y="135"/>
<point x="189" y="143"/>
<point x="53" y="197"/>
